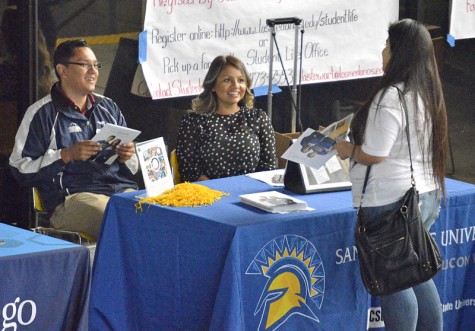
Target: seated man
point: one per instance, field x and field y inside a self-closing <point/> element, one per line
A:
<point x="53" y="148"/>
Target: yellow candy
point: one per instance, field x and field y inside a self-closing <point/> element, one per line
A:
<point x="183" y="195"/>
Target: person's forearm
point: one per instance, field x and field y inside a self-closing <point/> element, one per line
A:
<point x="201" y="178"/>
<point x="65" y="155"/>
<point x="357" y="155"/>
<point x="347" y="150"/>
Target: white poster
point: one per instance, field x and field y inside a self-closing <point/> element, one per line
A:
<point x="462" y="19"/>
<point x="341" y="40"/>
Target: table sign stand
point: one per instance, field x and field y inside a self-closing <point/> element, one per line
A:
<point x="299" y="178"/>
<point x="155" y="166"/>
<point x="293" y="178"/>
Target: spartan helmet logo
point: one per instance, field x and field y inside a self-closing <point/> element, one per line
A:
<point x="296" y="281"/>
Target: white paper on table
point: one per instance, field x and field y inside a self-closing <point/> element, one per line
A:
<point x="267" y="176"/>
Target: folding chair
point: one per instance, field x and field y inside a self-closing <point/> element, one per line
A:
<point x="42" y="224"/>
<point x="174" y="166"/>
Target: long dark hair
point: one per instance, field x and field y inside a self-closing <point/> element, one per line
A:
<point x="413" y="63"/>
<point x="206" y="102"/>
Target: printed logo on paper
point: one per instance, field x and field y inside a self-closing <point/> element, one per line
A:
<point x="295" y="281"/>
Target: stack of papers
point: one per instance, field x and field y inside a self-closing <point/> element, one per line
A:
<point x="274" y="202"/>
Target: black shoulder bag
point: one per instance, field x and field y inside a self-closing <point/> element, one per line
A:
<point x="396" y="252"/>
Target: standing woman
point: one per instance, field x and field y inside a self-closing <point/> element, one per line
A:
<point x="224" y="135"/>
<point x="378" y="137"/>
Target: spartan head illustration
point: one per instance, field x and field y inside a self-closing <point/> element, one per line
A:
<point x="295" y="281"/>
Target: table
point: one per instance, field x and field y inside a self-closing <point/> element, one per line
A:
<point x="226" y="266"/>
<point x="45" y="282"/>
<point x="454" y="232"/>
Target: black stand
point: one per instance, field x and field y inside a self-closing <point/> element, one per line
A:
<point x="272" y="23"/>
<point x="293" y="180"/>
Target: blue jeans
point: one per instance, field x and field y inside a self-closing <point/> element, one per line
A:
<point x="416" y="308"/>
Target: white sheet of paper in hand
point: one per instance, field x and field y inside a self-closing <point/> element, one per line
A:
<point x="314" y="148"/>
<point x="110" y="137"/>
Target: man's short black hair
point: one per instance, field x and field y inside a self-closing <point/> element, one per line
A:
<point x="65" y="51"/>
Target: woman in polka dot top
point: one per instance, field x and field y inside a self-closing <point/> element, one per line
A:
<point x="224" y="135"/>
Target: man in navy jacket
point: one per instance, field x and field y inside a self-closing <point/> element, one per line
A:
<point x="53" y="148"/>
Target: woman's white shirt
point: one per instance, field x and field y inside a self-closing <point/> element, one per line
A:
<point x="385" y="136"/>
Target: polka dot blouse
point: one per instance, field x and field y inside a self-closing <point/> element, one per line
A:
<point x="225" y="145"/>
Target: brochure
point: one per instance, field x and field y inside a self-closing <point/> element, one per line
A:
<point x="315" y="148"/>
<point x="155" y="166"/>
<point x="271" y="177"/>
<point x="110" y="137"/>
<point x="273" y="202"/>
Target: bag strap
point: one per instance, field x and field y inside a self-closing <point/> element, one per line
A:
<point x="404" y="105"/>
<point x="368" y="168"/>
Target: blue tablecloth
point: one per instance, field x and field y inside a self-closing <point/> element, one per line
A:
<point x="45" y="282"/>
<point x="227" y="266"/>
<point x="454" y="232"/>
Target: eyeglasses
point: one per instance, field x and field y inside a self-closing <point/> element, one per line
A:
<point x="87" y="66"/>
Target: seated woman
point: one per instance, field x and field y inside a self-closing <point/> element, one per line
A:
<point x="224" y="135"/>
